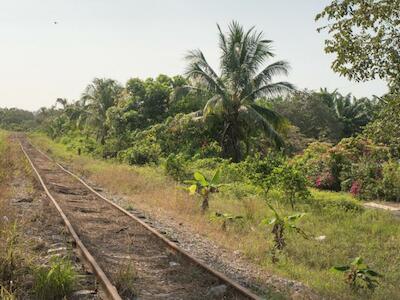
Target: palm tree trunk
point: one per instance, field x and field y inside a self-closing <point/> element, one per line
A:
<point x="230" y="142"/>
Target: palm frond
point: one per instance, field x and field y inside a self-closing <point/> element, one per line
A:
<point x="213" y="106"/>
<point x="273" y="89"/>
<point x="271" y="116"/>
<point x="252" y="117"/>
<point x="199" y="69"/>
<point x="275" y="69"/>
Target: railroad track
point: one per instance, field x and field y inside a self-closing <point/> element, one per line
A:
<point x="111" y="241"/>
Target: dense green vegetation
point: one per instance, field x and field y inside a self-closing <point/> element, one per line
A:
<point x="17" y="119"/>
<point x="259" y="149"/>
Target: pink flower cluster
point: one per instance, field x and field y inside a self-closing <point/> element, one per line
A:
<point x="325" y="181"/>
<point x="355" y="188"/>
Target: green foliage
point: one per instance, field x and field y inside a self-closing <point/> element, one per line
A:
<point x="226" y="219"/>
<point x="358" y="275"/>
<point x="237" y="92"/>
<point x="9" y="258"/>
<point x="176" y="167"/>
<point x="355" y="165"/>
<point x="364" y="37"/>
<point x="141" y="153"/>
<point x="280" y="224"/>
<point x="204" y="187"/>
<point x="310" y="112"/>
<point x="386" y="127"/>
<point x="99" y="96"/>
<point x="390" y="183"/>
<point x="334" y="201"/>
<point x="259" y="170"/>
<point x="17" y="119"/>
<point x="291" y="181"/>
<point x="54" y="282"/>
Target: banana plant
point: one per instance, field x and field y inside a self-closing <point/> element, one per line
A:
<point x="358" y="275"/>
<point x="204" y="187"/>
<point x="280" y="224"/>
<point x="226" y="218"/>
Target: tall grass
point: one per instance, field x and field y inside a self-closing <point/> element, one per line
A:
<point x="56" y="281"/>
<point x="350" y="229"/>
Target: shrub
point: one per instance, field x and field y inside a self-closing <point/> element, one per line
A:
<point x="140" y="154"/>
<point x="314" y="161"/>
<point x="258" y="169"/>
<point x="176" y="167"/>
<point x="210" y="149"/>
<point x="54" y="282"/>
<point x="354" y="165"/>
<point x="391" y="180"/>
<point x="335" y="201"/>
<point x="291" y="181"/>
<point x="358" y="275"/>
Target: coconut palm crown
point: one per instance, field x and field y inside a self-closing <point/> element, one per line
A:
<point x="241" y="87"/>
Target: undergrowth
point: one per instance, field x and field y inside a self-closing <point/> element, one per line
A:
<point x="338" y="225"/>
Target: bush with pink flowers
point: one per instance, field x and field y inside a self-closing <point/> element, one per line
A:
<point x="354" y="165"/>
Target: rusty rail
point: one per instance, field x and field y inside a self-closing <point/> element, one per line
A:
<point x="242" y="290"/>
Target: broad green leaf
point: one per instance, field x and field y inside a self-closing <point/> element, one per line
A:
<point x="295" y="217"/>
<point x="192" y="189"/>
<point x="216" y="177"/>
<point x="372" y="273"/>
<point x="200" y="178"/>
<point x="357" y="261"/>
<point x="272" y="221"/>
<point x="340" y="268"/>
<point x="190" y="181"/>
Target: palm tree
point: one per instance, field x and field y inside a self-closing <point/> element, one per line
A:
<point x="243" y="80"/>
<point x="98" y="97"/>
<point x="353" y="113"/>
<point x="63" y="102"/>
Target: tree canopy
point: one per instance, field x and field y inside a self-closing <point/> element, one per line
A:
<point x="365" y="36"/>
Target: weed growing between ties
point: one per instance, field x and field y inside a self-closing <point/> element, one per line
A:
<point x="55" y="281"/>
<point x="125" y="281"/>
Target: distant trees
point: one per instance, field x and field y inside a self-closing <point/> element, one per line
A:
<point x="326" y="115"/>
<point x="242" y="80"/>
<point x="16" y="119"/>
<point x="99" y="96"/>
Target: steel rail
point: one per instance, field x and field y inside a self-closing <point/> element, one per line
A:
<point x="108" y="287"/>
<point x="223" y="278"/>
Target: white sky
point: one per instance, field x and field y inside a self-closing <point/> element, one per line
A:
<point x="41" y="61"/>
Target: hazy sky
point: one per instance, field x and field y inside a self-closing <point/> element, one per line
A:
<point x="41" y="61"/>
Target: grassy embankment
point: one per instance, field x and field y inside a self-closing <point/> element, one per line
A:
<point x="24" y="271"/>
<point x="350" y="230"/>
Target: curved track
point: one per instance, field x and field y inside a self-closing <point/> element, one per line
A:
<point x="110" y="239"/>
